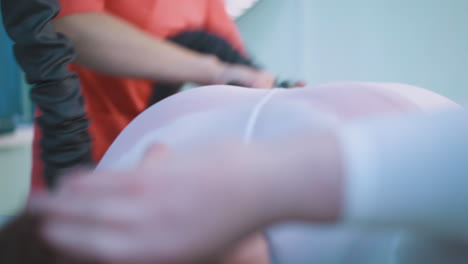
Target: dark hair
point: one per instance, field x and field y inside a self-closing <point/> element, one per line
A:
<point x="21" y="243"/>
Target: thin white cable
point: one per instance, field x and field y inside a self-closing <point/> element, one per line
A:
<point x="253" y="117"/>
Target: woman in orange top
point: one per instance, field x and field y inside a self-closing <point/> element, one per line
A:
<point x="121" y="51"/>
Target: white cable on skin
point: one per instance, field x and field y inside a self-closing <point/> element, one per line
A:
<point x="253" y="117"/>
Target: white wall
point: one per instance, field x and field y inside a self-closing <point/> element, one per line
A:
<point x="420" y="42"/>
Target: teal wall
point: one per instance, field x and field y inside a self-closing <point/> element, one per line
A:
<point x="9" y="78"/>
<point x="15" y="160"/>
<point x="14" y="101"/>
<point x="15" y="164"/>
<point x="420" y="42"/>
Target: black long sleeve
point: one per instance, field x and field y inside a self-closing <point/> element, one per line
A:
<point x="44" y="55"/>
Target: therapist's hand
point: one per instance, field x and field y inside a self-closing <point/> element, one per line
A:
<point x="245" y="76"/>
<point x="194" y="206"/>
<point x="173" y="209"/>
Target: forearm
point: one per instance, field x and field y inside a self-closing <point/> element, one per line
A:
<point x="109" y="45"/>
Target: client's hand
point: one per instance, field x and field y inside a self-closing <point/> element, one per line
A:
<point x="173" y="209"/>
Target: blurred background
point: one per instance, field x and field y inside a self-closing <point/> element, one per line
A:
<point x="419" y="42"/>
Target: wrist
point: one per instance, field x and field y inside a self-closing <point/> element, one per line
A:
<point x="213" y="69"/>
